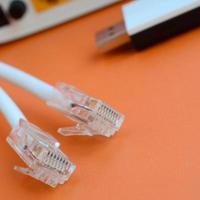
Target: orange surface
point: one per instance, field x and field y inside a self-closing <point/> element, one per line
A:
<point x="155" y="156"/>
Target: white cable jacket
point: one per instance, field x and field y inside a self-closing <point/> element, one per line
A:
<point x="26" y="81"/>
<point x="9" y="109"/>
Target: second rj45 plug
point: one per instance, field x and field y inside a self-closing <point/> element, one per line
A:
<point x="39" y="150"/>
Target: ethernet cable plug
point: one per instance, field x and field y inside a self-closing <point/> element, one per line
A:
<point x="146" y="23"/>
<point x="92" y="116"/>
<point x="41" y="153"/>
<point x="39" y="150"/>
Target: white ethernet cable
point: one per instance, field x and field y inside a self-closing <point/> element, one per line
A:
<point x="39" y="150"/>
<point x="93" y="116"/>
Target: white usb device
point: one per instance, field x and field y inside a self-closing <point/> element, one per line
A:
<point x="147" y="22"/>
<point x="38" y="149"/>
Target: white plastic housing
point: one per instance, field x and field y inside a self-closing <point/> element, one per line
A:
<point x="142" y="14"/>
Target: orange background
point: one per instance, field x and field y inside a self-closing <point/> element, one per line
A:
<point x="155" y="155"/>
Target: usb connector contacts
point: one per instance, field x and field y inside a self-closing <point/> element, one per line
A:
<point x="112" y="37"/>
<point x="147" y="22"/>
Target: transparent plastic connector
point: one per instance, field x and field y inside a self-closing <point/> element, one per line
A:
<point x="41" y="153"/>
<point x="93" y="116"/>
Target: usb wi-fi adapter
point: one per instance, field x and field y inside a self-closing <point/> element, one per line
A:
<point x="147" y="22"/>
